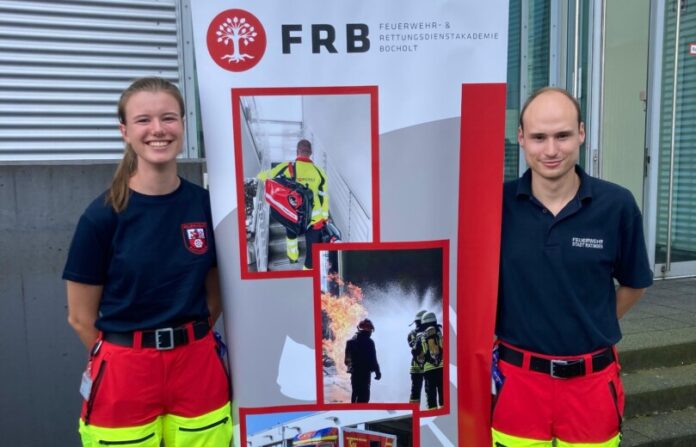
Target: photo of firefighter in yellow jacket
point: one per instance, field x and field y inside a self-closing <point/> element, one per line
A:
<point x="312" y="177"/>
<point x="430" y="347"/>
<point x="417" y="358"/>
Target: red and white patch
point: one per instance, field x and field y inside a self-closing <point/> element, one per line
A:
<point x="195" y="237"/>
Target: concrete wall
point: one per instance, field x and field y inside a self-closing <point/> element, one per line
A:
<point x="41" y="359"/>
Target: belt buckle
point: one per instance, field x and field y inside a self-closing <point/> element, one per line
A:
<point x="168" y="343"/>
<point x="555" y="363"/>
<point x="561" y="363"/>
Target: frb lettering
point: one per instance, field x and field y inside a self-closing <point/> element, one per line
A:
<point x="323" y="37"/>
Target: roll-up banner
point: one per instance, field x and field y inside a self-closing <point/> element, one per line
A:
<point x="355" y="161"/>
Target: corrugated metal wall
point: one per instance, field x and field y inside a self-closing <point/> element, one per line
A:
<point x="63" y="64"/>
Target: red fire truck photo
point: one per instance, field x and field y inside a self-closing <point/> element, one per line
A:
<point x="343" y="437"/>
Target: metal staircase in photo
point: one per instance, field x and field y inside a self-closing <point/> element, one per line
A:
<point x="277" y="253"/>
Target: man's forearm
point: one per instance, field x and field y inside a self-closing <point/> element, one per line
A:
<point x="626" y="297"/>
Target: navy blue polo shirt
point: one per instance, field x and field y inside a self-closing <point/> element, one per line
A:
<point x="556" y="293"/>
<point x="152" y="258"/>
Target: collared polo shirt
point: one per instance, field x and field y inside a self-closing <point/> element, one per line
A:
<point x="557" y="292"/>
<point x="151" y="259"/>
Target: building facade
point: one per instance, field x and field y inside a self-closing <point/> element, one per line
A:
<point x="631" y="63"/>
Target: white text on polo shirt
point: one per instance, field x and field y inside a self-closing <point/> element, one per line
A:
<point x="588" y="242"/>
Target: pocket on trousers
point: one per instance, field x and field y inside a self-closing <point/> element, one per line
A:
<point x="495" y="398"/>
<point x="216" y="434"/>
<point x="146" y="441"/>
<point x="616" y="398"/>
<point x="95" y="389"/>
<point x="223" y="366"/>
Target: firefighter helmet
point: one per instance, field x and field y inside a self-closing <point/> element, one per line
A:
<point x="366" y="325"/>
<point x="419" y="316"/>
<point x="428" y="317"/>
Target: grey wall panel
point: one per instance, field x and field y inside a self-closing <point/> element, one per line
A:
<point x="41" y="359"/>
<point x="63" y="64"/>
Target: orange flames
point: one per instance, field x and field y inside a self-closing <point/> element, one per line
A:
<point x="344" y="313"/>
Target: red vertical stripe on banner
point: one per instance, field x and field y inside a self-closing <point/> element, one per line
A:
<point x="478" y="250"/>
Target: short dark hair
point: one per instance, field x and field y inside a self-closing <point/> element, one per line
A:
<point x="304" y="146"/>
<point x="550" y="89"/>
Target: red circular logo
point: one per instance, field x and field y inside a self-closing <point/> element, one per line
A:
<point x="236" y="40"/>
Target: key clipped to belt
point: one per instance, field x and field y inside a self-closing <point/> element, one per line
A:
<point x="221" y="347"/>
<point x="86" y="383"/>
<point x="497" y="378"/>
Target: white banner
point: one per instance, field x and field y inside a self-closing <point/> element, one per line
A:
<point x="377" y="89"/>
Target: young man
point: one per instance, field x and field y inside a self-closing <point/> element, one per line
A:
<point x="566" y="238"/>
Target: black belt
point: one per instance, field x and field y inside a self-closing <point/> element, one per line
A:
<point x="561" y="368"/>
<point x="161" y="339"/>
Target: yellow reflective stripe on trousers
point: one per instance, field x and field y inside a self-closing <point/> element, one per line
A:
<point x="503" y="440"/>
<point x="292" y="248"/>
<point x="148" y="435"/>
<point x="613" y="442"/>
<point x="212" y="429"/>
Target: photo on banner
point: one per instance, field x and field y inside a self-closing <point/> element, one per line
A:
<point x="381" y="324"/>
<point x="335" y="426"/>
<point x="307" y="173"/>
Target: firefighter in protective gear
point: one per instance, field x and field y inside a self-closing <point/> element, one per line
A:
<point x="417" y="359"/>
<point x="314" y="177"/>
<point x="361" y="361"/>
<point x="430" y="346"/>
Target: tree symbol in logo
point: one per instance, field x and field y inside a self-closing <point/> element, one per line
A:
<point x="236" y="30"/>
<point x="240" y="30"/>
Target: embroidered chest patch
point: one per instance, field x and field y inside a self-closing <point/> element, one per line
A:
<point x="195" y="237"/>
<point x="587" y="242"/>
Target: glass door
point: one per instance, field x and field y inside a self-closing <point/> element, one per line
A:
<point x="624" y="49"/>
<point x="675" y="213"/>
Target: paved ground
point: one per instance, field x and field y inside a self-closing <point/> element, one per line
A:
<point x="667" y="305"/>
<point x="658" y="353"/>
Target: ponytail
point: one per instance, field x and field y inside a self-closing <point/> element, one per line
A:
<point x="118" y="194"/>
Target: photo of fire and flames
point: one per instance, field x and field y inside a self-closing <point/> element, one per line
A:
<point x="389" y="287"/>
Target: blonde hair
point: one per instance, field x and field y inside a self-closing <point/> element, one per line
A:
<point x="118" y="193"/>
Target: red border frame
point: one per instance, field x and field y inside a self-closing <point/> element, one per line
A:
<point x="250" y="411"/>
<point x="481" y="164"/>
<point x="370" y="90"/>
<point x="444" y="245"/>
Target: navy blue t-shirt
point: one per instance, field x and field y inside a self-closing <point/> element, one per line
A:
<point x="152" y="258"/>
<point x="557" y="294"/>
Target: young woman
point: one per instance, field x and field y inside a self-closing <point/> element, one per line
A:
<point x="143" y="291"/>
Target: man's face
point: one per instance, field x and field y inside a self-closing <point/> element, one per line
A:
<point x="551" y="137"/>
